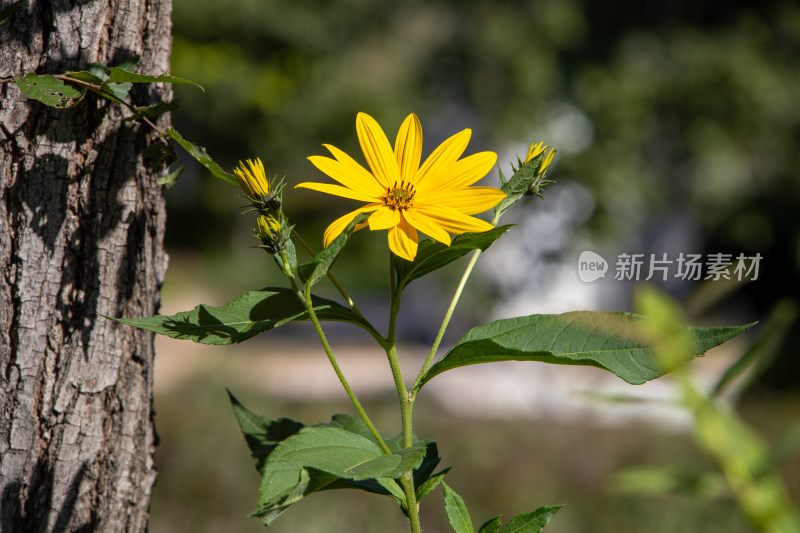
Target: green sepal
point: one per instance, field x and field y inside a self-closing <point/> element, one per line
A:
<point x="50" y="90"/>
<point x="611" y="341"/>
<point x="520" y="183"/>
<point x="200" y="154"/>
<point x="456" y="509"/>
<point x="532" y="522"/>
<point x="252" y="313"/>
<point x="433" y="255"/>
<point x="317" y="268"/>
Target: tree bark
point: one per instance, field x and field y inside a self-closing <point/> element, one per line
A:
<point x="81" y="234"/>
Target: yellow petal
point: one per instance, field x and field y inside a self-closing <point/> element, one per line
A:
<point x="445" y="154"/>
<point x="546" y="161"/>
<point x="338" y="190"/>
<point x="348" y="173"/>
<point x="337" y="226"/>
<point x="408" y="148"/>
<point x="426" y="225"/>
<point x="469" y="201"/>
<point x="453" y="221"/>
<point x="535" y="150"/>
<point x="253" y="181"/>
<point x="460" y="174"/>
<point x="377" y="150"/>
<point x="384" y="218"/>
<point x="403" y="240"/>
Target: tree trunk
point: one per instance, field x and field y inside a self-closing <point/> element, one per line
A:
<point x="81" y="234"/>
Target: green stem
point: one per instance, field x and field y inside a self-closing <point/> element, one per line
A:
<point x="313" y="315"/>
<point x="406" y="401"/>
<point x="448" y="315"/>
<point x="333" y="279"/>
<point x="407" y="482"/>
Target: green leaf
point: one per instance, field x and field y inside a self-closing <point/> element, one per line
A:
<point x="243" y="318"/>
<point x="427" y="486"/>
<point x="116" y="92"/>
<point x="291" y="258"/>
<point x="325" y="454"/>
<point x="491" y="526"/>
<point x="316" y="269"/>
<point x="6" y="13"/>
<point x="119" y="75"/>
<point x="159" y="154"/>
<point x="433" y="255"/>
<point x="99" y="70"/>
<point x="532" y="522"/>
<point x="170" y="179"/>
<point x="261" y="433"/>
<point x="85" y="76"/>
<point x="50" y="90"/>
<point x="611" y="341"/>
<point x="199" y="153"/>
<point x="154" y="110"/>
<point x="423" y="474"/>
<point x="456" y="511"/>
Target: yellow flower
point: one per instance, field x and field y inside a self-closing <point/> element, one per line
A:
<point x="270" y="232"/>
<point x="253" y="181"/>
<point x="537" y="149"/>
<point x="268" y="228"/>
<point x="404" y="197"/>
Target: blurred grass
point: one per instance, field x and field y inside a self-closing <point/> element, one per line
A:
<point x="207" y="481"/>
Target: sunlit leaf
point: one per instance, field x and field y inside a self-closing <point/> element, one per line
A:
<point x="532" y="522"/>
<point x="456" y="510"/>
<point x="50" y="90"/>
<point x="170" y="179"/>
<point x="433" y="255"/>
<point x="611" y="341"/>
<point x="491" y="526"/>
<point x="243" y="318"/>
<point x="261" y="433"/>
<point x="316" y="457"/>
<point x="121" y="75"/>
<point x="200" y="154"/>
<point x="316" y="269"/>
<point x="155" y="110"/>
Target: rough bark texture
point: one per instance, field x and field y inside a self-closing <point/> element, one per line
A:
<point x="81" y="233"/>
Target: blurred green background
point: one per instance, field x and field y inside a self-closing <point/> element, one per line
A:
<point x="681" y="111"/>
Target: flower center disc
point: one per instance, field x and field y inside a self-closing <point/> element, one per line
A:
<point x="399" y="197"/>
